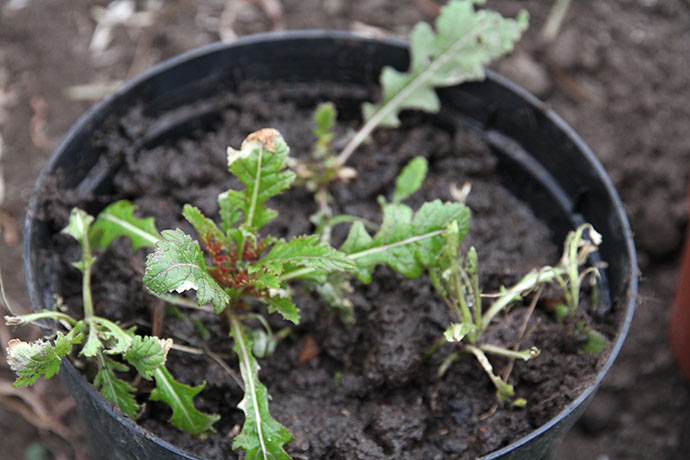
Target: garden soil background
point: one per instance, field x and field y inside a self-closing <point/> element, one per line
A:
<point x="618" y="72"/>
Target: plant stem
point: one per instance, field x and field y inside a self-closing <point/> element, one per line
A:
<point x="466" y="313"/>
<point x="528" y="282"/>
<point x="358" y="255"/>
<point x="33" y="317"/>
<point x="496" y="350"/>
<point x="181" y="301"/>
<point x="88" y="261"/>
<point x="477" y="310"/>
<point x="434" y="348"/>
<point x="393" y="104"/>
<point x="4" y="296"/>
<point x="224" y="366"/>
<point x="504" y="390"/>
<point x="553" y="23"/>
<point x="413" y="239"/>
<point x="445" y="365"/>
<point x="521" y="332"/>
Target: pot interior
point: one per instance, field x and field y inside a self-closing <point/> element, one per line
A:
<point x="540" y="159"/>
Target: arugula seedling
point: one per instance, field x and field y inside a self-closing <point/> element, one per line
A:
<point x="465" y="42"/>
<point x="241" y="265"/>
<point x="456" y="280"/>
<point x="101" y="340"/>
<point x="246" y="265"/>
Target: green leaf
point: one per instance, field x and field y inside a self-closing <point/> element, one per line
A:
<point x="284" y="306"/>
<point x="262" y="437"/>
<point x="115" y="390"/>
<point x="304" y="251"/>
<point x="178" y="264"/>
<point x="78" y="228"/>
<point x="410" y="179"/>
<point x="78" y="224"/>
<point x="457" y="331"/>
<point x="358" y="240"/>
<point x="405" y="242"/>
<point x="35" y="359"/>
<point x="93" y="345"/>
<point x="115" y="339"/>
<point x="260" y="166"/>
<point x="464" y="43"/>
<point x="265" y="279"/>
<point x="147" y="354"/>
<point x="324" y="118"/>
<point x="433" y="216"/>
<point x="596" y="341"/>
<point x="230" y="214"/>
<point x="180" y="398"/>
<point x="118" y="220"/>
<point x="207" y="229"/>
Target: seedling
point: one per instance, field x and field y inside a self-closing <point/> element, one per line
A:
<point x="239" y="268"/>
<point x="103" y="342"/>
<point x="457" y="281"/>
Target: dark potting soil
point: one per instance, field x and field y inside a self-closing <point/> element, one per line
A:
<point x="345" y="391"/>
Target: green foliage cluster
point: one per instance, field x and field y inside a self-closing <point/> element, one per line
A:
<point x="110" y="347"/>
<point x="232" y="266"/>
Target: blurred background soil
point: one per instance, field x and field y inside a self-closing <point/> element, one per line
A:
<point x="618" y="71"/>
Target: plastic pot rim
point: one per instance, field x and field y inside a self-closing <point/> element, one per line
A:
<point x="84" y="121"/>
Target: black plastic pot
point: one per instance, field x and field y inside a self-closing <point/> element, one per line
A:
<point x="540" y="157"/>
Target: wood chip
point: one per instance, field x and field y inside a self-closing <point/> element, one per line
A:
<point x="308" y="351"/>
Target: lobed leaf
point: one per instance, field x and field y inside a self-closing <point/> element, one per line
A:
<point x="178" y="264"/>
<point x="262" y="437"/>
<point x="465" y="41"/>
<point x="230" y="214"/>
<point x="93" y="345"/>
<point x="406" y="243"/>
<point x="207" y="230"/>
<point x="118" y="220"/>
<point x="115" y="390"/>
<point x="260" y="166"/>
<point x="35" y="359"/>
<point x="147" y="354"/>
<point x="180" y="398"/>
<point x="284" y="306"/>
<point x="304" y="251"/>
